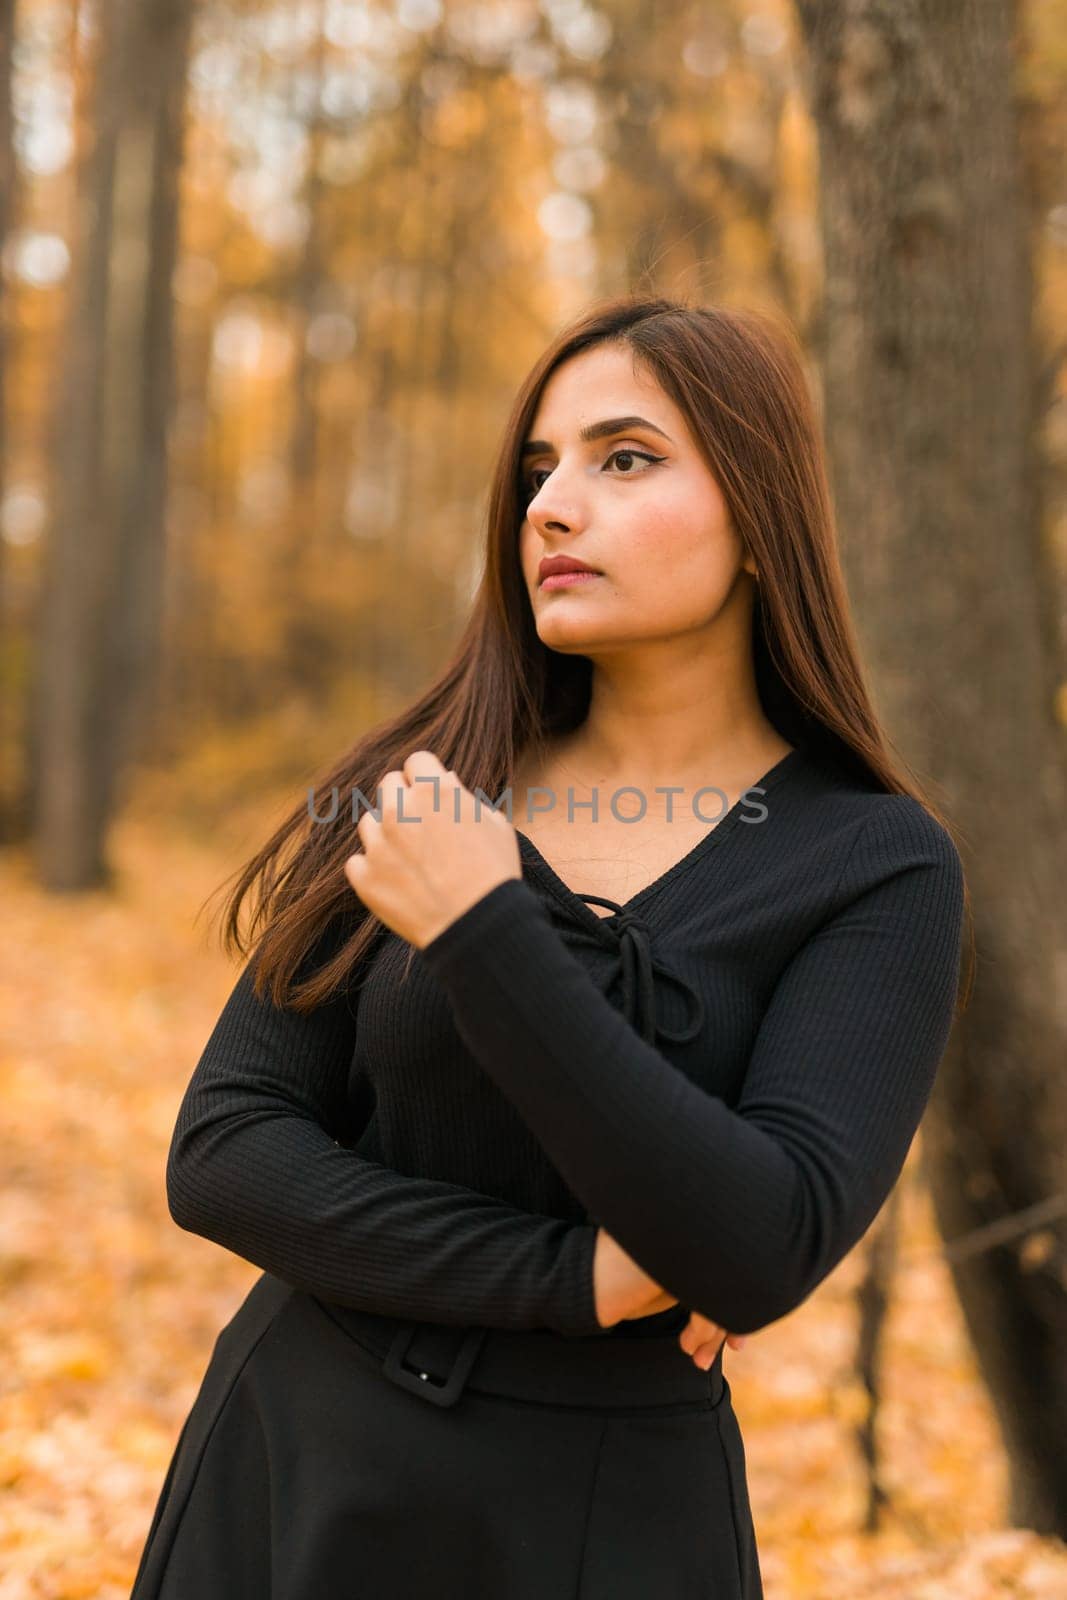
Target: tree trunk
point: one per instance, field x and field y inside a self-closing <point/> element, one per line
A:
<point x="100" y="607"/>
<point x="141" y="358"/>
<point x="9" y="827"/>
<point x="67" y="699"/>
<point x="929" y="369"/>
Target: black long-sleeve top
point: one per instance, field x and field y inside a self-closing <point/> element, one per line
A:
<point x="726" y="1073"/>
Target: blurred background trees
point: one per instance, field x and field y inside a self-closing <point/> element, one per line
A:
<point x="382" y="211"/>
<point x="97" y="649"/>
<point x="937" y="390"/>
<point x="271" y="270"/>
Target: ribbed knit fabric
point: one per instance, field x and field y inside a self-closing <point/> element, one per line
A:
<point x="441" y="1146"/>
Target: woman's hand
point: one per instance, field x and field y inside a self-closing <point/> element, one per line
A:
<point x="432" y="855"/>
<point x="701" y="1339"/>
<point x="623" y="1290"/>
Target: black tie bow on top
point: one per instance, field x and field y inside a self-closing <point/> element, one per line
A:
<point x="639" y="970"/>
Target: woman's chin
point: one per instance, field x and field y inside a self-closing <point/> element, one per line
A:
<point x="568" y="640"/>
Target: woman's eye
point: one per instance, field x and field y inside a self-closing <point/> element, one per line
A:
<point x="532" y="486"/>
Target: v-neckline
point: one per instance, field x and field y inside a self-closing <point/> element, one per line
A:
<point x="570" y="897"/>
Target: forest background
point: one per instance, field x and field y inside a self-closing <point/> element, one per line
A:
<point x="270" y="275"/>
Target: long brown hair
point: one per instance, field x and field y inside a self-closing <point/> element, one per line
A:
<point x="738" y="376"/>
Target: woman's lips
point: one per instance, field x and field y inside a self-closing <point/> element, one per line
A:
<point x="564" y="580"/>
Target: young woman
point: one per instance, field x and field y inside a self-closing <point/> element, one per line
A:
<point x="520" y="1109"/>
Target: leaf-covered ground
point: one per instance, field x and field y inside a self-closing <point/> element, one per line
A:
<point x="109" y="1311"/>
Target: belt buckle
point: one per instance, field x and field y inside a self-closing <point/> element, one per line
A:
<point x="443" y="1392"/>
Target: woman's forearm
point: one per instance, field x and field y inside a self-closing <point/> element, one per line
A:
<point x="281" y="1193"/>
<point x="254" y="1166"/>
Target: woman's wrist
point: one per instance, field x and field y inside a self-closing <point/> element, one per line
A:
<point x="621" y="1289"/>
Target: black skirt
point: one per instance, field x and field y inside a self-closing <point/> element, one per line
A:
<point x="334" y="1455"/>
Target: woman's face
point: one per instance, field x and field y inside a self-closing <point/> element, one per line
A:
<point x="638" y="504"/>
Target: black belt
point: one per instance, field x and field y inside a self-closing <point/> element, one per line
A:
<point x="437" y="1362"/>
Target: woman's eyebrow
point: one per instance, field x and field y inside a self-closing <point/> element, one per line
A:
<point x="600" y="430"/>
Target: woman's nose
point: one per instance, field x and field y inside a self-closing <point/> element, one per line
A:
<point x="554" y="506"/>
